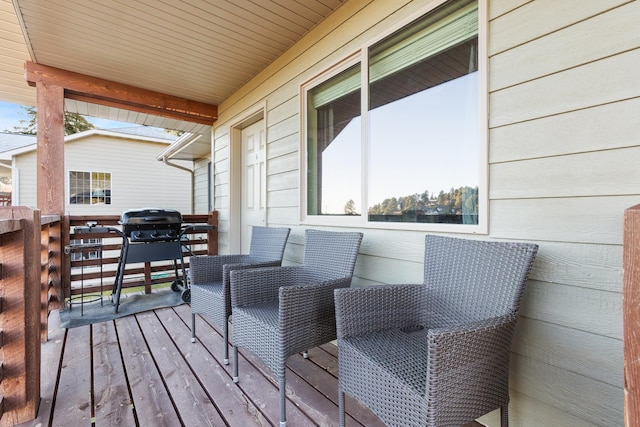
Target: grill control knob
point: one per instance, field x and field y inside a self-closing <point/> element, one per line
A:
<point x="154" y="233"/>
<point x="138" y="234"/>
<point x="171" y="233"/>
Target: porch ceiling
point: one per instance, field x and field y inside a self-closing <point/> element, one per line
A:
<point x="201" y="50"/>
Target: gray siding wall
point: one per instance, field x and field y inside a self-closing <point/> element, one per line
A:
<point x="564" y="96"/>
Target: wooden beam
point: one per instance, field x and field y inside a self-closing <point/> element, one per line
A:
<point x="94" y="90"/>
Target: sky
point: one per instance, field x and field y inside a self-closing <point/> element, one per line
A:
<point x="11" y="114"/>
<point x="437" y="127"/>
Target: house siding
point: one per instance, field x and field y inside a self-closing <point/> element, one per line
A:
<point x="137" y="179"/>
<point x="200" y="186"/>
<point x="563" y="99"/>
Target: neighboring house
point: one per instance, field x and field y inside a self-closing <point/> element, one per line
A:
<point x="108" y="172"/>
<point x="546" y="95"/>
<point x="10" y="142"/>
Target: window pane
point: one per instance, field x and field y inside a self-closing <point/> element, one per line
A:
<point x="79" y="188"/>
<point x="334" y="146"/>
<point x="424" y="121"/>
<point x="101" y="188"/>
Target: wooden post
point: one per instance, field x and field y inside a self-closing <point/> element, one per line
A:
<point x="21" y="318"/>
<point x="50" y="173"/>
<point x="212" y="236"/>
<point x="631" y="308"/>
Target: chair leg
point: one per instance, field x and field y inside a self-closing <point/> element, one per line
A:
<point x="283" y="401"/>
<point x="225" y="333"/>
<point x="341" y="408"/>
<point x="504" y="416"/>
<point x="236" y="378"/>
<point x="193" y="327"/>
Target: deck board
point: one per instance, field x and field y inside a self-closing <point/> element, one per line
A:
<point x="111" y="395"/>
<point x="143" y="370"/>
<point x="73" y="399"/>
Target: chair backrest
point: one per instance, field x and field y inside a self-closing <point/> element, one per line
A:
<point x="475" y="279"/>
<point x="268" y="243"/>
<point x="331" y="254"/>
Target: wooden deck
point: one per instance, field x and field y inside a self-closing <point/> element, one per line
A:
<point x="143" y="370"/>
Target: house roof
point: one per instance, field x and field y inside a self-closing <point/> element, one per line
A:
<point x="12" y="144"/>
<point x="139" y="132"/>
<point x="12" y="141"/>
<point x="201" y="50"/>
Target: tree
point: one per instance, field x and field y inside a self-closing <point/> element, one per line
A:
<point x="350" y="208"/>
<point x="174" y="132"/>
<point x="73" y="123"/>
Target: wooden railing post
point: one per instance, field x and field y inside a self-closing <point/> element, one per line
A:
<point x="51" y="290"/>
<point x="20" y="258"/>
<point x="212" y="236"/>
<point x="631" y="308"/>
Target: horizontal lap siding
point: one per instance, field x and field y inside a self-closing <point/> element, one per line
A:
<point x="563" y="102"/>
<point x="564" y="96"/>
<point x="200" y="186"/>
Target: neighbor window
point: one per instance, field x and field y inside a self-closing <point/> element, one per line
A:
<point x="92" y="249"/>
<point x="89" y="188"/>
<point x="408" y="148"/>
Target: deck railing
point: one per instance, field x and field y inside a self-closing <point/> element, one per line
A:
<point x="94" y="259"/>
<point x="37" y="276"/>
<point x="28" y="274"/>
<point x="631" y="308"/>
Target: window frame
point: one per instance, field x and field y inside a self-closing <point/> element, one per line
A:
<point x="91" y="187"/>
<point x="361" y="56"/>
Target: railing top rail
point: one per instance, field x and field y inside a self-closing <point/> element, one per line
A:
<point x="10" y="225"/>
<point x="49" y="219"/>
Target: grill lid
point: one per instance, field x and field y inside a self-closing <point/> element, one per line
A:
<point x="151" y="216"/>
<point x="151" y="224"/>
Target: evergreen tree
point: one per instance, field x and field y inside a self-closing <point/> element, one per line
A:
<point x="73" y="123"/>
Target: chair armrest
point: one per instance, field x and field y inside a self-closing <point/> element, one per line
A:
<point x="228" y="268"/>
<point x="478" y="350"/>
<point x="376" y="308"/>
<point x="257" y="285"/>
<point x="208" y="268"/>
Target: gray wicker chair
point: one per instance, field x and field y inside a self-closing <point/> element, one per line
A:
<point x="209" y="277"/>
<point x="437" y="353"/>
<point x="278" y="312"/>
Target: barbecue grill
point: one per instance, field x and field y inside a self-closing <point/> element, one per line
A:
<point x="148" y="235"/>
<point x="151" y="234"/>
<point x="151" y="225"/>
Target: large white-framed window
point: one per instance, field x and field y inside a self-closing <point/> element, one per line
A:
<point x="89" y="188"/>
<point x="395" y="136"/>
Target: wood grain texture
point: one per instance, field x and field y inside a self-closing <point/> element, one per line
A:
<point x="632" y="316"/>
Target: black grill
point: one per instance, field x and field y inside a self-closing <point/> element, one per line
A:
<point x="149" y="235"/>
<point x="150" y="224"/>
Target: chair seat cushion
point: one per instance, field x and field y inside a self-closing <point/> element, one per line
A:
<point x="401" y="355"/>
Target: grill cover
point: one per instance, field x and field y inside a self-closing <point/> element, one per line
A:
<point x="151" y="224"/>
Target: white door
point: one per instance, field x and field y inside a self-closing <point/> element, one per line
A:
<point x="253" y="181"/>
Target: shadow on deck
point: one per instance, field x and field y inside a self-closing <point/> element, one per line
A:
<point x="143" y="370"/>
